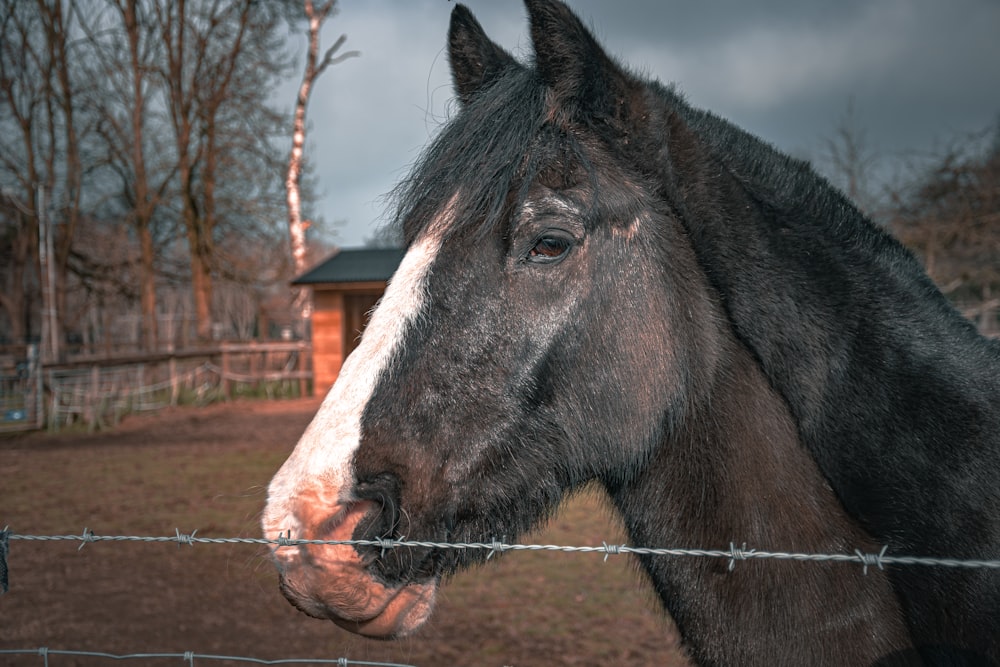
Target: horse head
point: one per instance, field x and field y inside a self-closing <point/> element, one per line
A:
<point x="530" y="340"/>
<point x="603" y="284"/>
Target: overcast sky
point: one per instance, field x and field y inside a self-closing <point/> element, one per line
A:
<point x="920" y="72"/>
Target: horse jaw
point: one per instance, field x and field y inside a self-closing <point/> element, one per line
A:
<point x="311" y="496"/>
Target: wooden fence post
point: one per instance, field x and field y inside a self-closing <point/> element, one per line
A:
<point x="95" y="393"/>
<point x="225" y="371"/>
<point x="54" y="410"/>
<point x="300" y="367"/>
<point x="172" y="370"/>
<point x="253" y="367"/>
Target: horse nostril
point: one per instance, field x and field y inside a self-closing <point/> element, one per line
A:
<point x="383" y="491"/>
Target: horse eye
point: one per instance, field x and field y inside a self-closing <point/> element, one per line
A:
<point x="549" y="248"/>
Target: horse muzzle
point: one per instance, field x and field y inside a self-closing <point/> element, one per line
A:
<point x="335" y="582"/>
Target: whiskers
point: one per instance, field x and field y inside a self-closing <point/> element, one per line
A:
<point x="262" y="558"/>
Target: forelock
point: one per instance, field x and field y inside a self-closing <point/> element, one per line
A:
<point x="481" y="160"/>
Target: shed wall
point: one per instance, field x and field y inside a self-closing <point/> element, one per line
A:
<point x="340" y="313"/>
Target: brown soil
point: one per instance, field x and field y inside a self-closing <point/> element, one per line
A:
<point x="207" y="469"/>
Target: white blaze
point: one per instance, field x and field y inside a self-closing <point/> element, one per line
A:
<point x="321" y="461"/>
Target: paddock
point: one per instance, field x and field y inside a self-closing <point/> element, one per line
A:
<point x="205" y="469"/>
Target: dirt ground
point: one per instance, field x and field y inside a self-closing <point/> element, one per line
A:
<point x="207" y="469"/>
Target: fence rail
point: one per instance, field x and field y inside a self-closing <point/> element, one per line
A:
<point x="97" y="393"/>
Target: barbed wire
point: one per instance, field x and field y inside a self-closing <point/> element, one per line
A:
<point x="190" y="657"/>
<point x="881" y="559"/>
<point x="734" y="553"/>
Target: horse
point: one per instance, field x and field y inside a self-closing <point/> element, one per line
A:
<point x="603" y="284"/>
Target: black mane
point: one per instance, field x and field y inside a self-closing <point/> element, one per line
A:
<point x="793" y="189"/>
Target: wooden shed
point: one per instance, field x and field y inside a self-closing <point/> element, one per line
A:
<point x="345" y="288"/>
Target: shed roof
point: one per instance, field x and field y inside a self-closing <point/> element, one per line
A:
<point x="354" y="265"/>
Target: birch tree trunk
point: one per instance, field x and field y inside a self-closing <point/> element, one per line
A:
<point x="316" y="15"/>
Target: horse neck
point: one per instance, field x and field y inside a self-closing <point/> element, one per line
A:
<point x="893" y="394"/>
<point x="869" y="356"/>
<point x="736" y="473"/>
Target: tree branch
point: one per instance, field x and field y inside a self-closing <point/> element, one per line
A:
<point x="328" y="58"/>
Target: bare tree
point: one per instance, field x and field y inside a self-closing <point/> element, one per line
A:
<point x="215" y="58"/>
<point x="18" y="232"/>
<point x="951" y="217"/>
<point x="146" y="196"/>
<point x="385" y="236"/>
<point x="61" y="94"/>
<point x="40" y="167"/>
<point x="851" y="160"/>
<point x="148" y="125"/>
<point x="124" y="48"/>
<point x="23" y="92"/>
<point x="316" y="16"/>
<point x="179" y="78"/>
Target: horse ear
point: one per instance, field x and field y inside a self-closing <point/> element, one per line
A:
<point x="476" y="61"/>
<point x="572" y="64"/>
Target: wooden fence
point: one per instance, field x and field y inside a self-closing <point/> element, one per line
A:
<point x="21" y="406"/>
<point x="99" y="390"/>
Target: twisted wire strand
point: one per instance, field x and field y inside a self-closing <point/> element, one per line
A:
<point x="733" y="554"/>
<point x="190" y="657"/>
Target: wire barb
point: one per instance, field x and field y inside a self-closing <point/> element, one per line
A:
<point x="872" y="559"/>
<point x="496" y="546"/>
<point x="740" y="553"/>
<point x="612" y="549"/>
<point x="385" y="543"/>
<point x="88" y="536"/>
<point x="184" y="539"/>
